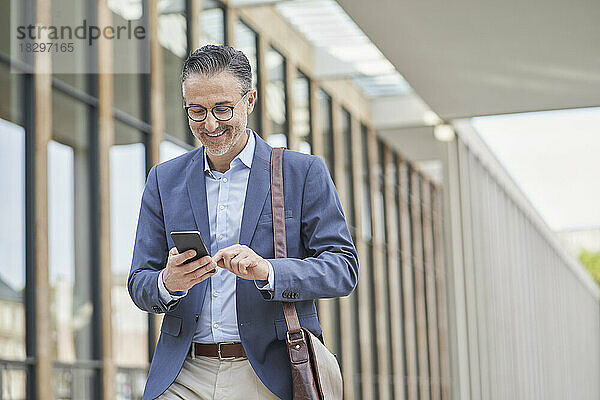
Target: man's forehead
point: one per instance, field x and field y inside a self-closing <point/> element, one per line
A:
<point x="222" y="86"/>
<point x="223" y="80"/>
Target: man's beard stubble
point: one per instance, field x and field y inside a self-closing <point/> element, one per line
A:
<point x="230" y="141"/>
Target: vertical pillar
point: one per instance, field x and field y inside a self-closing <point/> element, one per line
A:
<point x="157" y="115"/>
<point x="315" y="118"/>
<point x="380" y="298"/>
<point x="43" y="133"/>
<point x="195" y="28"/>
<point x="290" y="78"/>
<point x="419" y="282"/>
<point x="440" y="273"/>
<point x="430" y="290"/>
<point x="407" y="283"/>
<point x="457" y="307"/>
<point x="346" y="313"/>
<point x="231" y="17"/>
<point x="106" y="132"/>
<point x="393" y="278"/>
<point x="261" y="52"/>
<point x="364" y="288"/>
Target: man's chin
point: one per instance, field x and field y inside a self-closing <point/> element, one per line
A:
<point x="216" y="152"/>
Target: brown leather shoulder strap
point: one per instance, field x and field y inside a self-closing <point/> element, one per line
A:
<point x="279" y="241"/>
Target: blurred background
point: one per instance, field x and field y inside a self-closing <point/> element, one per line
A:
<point x="461" y="137"/>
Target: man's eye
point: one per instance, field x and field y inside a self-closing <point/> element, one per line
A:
<point x="197" y="111"/>
<point x="221" y="110"/>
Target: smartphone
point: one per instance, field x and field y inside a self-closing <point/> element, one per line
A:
<point x="190" y="240"/>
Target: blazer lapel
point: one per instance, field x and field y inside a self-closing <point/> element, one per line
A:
<point x="196" y="187"/>
<point x="259" y="184"/>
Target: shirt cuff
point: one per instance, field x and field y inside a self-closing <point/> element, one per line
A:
<point x="165" y="296"/>
<point x="269" y="283"/>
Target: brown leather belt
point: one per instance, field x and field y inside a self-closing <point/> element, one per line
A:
<point x="224" y="351"/>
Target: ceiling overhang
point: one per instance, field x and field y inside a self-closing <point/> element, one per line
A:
<point x="466" y="58"/>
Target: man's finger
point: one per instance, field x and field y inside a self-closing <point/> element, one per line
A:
<point x="201" y="276"/>
<point x="194" y="265"/>
<point x="227" y="261"/>
<point x="173" y="251"/>
<point x="238" y="265"/>
<point x="183" y="257"/>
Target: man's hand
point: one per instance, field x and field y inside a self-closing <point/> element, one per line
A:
<point x="178" y="276"/>
<point x="242" y="261"/>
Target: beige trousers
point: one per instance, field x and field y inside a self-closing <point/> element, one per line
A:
<point x="205" y="378"/>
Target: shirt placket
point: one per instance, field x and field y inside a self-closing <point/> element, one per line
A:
<point x="222" y="242"/>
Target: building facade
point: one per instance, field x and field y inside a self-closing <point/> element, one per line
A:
<point x="75" y="150"/>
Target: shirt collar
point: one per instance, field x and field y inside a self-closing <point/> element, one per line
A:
<point x="245" y="156"/>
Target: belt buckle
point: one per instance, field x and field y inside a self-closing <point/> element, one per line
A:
<point x="221" y="358"/>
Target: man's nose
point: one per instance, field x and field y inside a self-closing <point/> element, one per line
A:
<point x="210" y="123"/>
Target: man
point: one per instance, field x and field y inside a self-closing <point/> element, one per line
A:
<point x="223" y="332"/>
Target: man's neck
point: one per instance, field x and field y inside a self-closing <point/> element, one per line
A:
<point x="222" y="163"/>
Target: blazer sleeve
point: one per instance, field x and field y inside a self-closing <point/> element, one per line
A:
<point x="331" y="268"/>
<point x="150" y="251"/>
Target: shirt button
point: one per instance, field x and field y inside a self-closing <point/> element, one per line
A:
<point x="221" y="207"/>
<point x="215" y="326"/>
<point x="225" y="180"/>
<point x="216" y="294"/>
<point x="220" y="236"/>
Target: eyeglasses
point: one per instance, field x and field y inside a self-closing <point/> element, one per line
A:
<point x="221" y="113"/>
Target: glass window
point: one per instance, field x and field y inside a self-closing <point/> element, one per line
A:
<point x="169" y="150"/>
<point x="72" y="13"/>
<point x="301" y="113"/>
<point x="381" y="190"/>
<point x="325" y="115"/>
<point x="346" y="127"/>
<point x="212" y="23"/>
<point x="127" y="178"/>
<point x="69" y="252"/>
<point x="5" y="23"/>
<point x="366" y="214"/>
<point x="367" y="232"/>
<point x="246" y="41"/>
<point x="172" y="35"/>
<point x="276" y="98"/>
<point x="69" y="221"/>
<point x="129" y="55"/>
<point x="12" y="241"/>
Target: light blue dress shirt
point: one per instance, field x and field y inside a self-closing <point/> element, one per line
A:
<point x="225" y="194"/>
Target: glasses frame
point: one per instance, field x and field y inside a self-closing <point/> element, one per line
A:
<point x="212" y="110"/>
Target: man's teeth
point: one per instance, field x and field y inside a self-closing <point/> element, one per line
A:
<point x="215" y="135"/>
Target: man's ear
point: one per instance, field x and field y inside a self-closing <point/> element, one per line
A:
<point x="251" y="102"/>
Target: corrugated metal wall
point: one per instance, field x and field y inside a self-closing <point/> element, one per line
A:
<point x="526" y="315"/>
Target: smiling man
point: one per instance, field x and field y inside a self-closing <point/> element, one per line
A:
<point x="223" y="332"/>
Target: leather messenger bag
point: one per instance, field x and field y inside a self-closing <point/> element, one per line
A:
<point x="315" y="371"/>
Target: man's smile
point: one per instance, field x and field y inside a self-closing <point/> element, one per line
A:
<point x="216" y="134"/>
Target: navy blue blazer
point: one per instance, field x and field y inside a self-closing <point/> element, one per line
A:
<point x="322" y="260"/>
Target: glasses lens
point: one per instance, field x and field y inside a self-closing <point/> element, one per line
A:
<point x="222" y="113"/>
<point x="197" y="113"/>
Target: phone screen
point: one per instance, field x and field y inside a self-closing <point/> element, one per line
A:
<point x="190" y="240"/>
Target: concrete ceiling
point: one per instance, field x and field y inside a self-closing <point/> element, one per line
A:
<point x="472" y="58"/>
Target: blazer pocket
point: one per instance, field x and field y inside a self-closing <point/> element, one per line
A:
<point x="171" y="325"/>
<point x="268" y="218"/>
<point x="309" y="322"/>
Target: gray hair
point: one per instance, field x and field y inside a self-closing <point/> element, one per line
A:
<point x="211" y="60"/>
